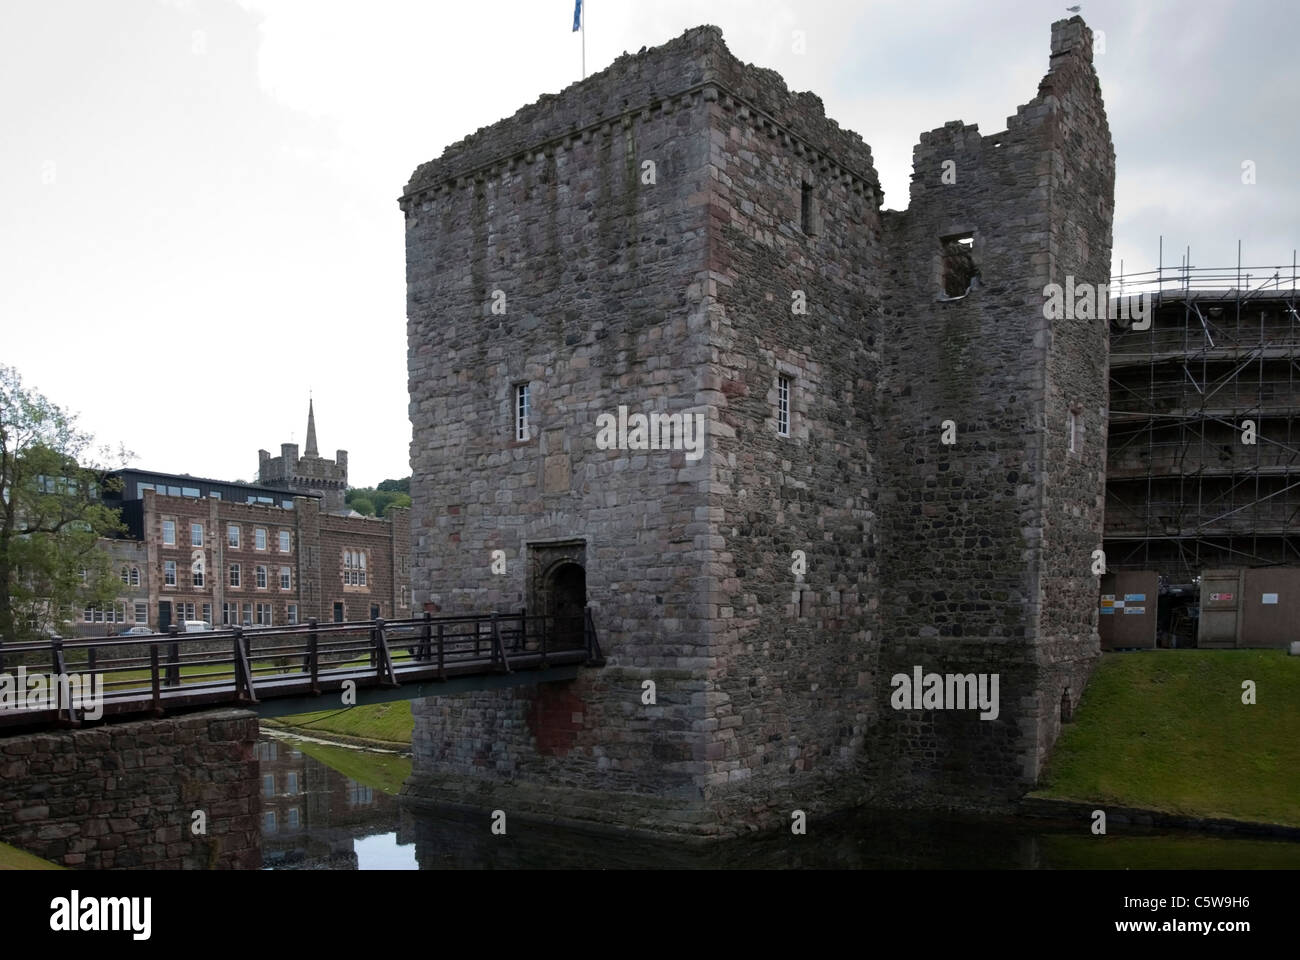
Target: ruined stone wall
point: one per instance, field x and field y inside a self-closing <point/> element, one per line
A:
<point x="123" y="795"/>
<point x="1082" y="202"/>
<point x="969" y="527"/>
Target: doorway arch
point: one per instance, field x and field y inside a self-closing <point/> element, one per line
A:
<point x="566" y="602"/>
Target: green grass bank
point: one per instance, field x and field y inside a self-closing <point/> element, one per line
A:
<point x="1167" y="730"/>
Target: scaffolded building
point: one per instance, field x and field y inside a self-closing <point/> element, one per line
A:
<point x="1203" y="462"/>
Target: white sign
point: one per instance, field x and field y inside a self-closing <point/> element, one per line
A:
<point x="1269" y="598"/>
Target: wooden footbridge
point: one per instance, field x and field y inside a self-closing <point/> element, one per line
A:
<point x="286" y="670"/>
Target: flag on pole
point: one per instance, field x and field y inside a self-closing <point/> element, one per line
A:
<point x="577" y="16"/>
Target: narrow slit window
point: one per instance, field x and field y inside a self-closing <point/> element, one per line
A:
<point x="1072" y="431"/>
<point x="783" y="406"/>
<point x="805" y="208"/>
<point x="523" y="404"/>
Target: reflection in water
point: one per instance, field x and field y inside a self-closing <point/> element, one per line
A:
<point x="316" y="818"/>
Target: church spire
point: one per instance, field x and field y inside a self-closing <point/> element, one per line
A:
<point x="311" y="450"/>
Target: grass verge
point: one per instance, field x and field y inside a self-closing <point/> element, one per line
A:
<point x="385" y="722"/>
<point x="383" y="771"/>
<point x="11" y="858"/>
<point x="1167" y="730"/>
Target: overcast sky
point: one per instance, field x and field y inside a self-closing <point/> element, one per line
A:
<point x="198" y="216"/>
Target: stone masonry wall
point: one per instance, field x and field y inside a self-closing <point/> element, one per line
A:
<point x="794" y="653"/>
<point x="968" y="564"/>
<point x="604" y="307"/>
<point x="123" y="796"/>
<point x="1082" y="197"/>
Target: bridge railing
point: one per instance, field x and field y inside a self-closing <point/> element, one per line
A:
<point x="244" y="663"/>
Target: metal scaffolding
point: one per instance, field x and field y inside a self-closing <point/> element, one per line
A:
<point x="1203" y="458"/>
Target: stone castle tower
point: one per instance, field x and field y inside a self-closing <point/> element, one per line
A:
<point x="901" y="463"/>
<point x="310" y="473"/>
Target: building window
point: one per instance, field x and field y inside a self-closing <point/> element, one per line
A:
<point x="232" y="536"/>
<point x="293" y="614"/>
<point x="805" y="208"/>
<point x="264" y="615"/>
<point x="359" y="796"/>
<point x="184" y="611"/>
<point x="523" y="405"/>
<point x="248" y="614"/>
<point x="285" y="583"/>
<point x="234" y="574"/>
<point x="284" y="541"/>
<point x="141" y="612"/>
<point x="259" y="538"/>
<point x="354" y="568"/>
<point x="268" y="785"/>
<point x="126" y="576"/>
<point x="197" y="576"/>
<point x="1072" y="431"/>
<point x="261" y="578"/>
<point x="207" y="612"/>
<point x="135" y="576"/>
<point x="293" y="815"/>
<point x="196" y="534"/>
<point x="169" y="573"/>
<point x="229" y="613"/>
<point x="783" y="405"/>
<point x="169" y="533"/>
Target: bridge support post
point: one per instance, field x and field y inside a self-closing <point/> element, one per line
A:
<point x="499" y="648"/>
<point x="381" y="657"/>
<point x="173" y="658"/>
<point x="155" y="680"/>
<point x="243" y="672"/>
<point x="67" y="715"/>
<point x="313" y="655"/>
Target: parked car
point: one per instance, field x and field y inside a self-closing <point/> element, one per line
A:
<point x="196" y="626"/>
<point x="136" y="632"/>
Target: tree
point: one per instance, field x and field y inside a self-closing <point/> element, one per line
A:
<point x="363" y="506"/>
<point x="51" y="516"/>
<point x="377" y="501"/>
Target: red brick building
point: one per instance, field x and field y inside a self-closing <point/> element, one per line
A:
<point x="232" y="553"/>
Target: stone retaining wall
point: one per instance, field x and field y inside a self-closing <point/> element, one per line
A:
<point x="124" y="796"/>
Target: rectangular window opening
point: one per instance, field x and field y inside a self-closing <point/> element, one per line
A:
<point x="959" y="274"/>
<point x="783" y="406"/>
<point x="523" y="406"/>
<point x="805" y="208"/>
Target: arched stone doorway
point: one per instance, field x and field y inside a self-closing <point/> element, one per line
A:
<point x="566" y="601"/>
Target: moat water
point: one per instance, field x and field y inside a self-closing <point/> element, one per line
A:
<point x="315" y="817"/>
